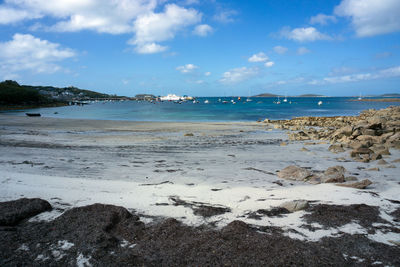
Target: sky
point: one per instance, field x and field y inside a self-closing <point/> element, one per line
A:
<point x="203" y="48"/>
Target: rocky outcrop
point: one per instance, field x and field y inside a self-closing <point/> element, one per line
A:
<point x="368" y="136"/>
<point x="13" y="212"/>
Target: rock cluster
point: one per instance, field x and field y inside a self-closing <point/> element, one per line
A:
<point x="368" y="136"/>
<point x="335" y="174"/>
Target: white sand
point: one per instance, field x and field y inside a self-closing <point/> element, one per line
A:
<point x="76" y="162"/>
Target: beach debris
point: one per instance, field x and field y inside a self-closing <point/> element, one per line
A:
<point x="339" y="215"/>
<point x="13" y="212"/>
<point x="165" y="182"/>
<point x="272" y="212"/>
<point x="295" y="173"/>
<point x="188" y="134"/>
<point x="258" y="170"/>
<point x="358" y="185"/>
<point x="199" y="208"/>
<point x="294" y="205"/>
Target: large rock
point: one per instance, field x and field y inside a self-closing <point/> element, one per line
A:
<point x="13" y="212"/>
<point x="334" y="174"/>
<point x="295" y="205"/>
<point x="295" y="173"/>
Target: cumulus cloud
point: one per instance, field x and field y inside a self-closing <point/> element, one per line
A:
<point x="238" y="75"/>
<point x="103" y="16"/>
<point x="26" y="52"/>
<point x="187" y="68"/>
<point x="280" y="49"/>
<point x="371" y="17"/>
<point x="207" y="73"/>
<point x="385" y="73"/>
<point x="303" y="50"/>
<point x="10" y="15"/>
<point x="140" y="17"/>
<point x="322" y="19"/>
<point x="203" y="30"/>
<point x="157" y="27"/>
<point x="308" y="34"/>
<point x="259" y="57"/>
<point x="269" y="64"/>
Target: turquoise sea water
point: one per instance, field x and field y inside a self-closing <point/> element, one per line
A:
<point x="258" y="108"/>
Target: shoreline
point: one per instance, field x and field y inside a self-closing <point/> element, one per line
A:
<point x="196" y="177"/>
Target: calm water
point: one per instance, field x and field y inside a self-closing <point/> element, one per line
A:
<point x="258" y="108"/>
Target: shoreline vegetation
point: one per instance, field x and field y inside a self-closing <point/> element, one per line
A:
<point x="329" y="195"/>
<point x="15" y="96"/>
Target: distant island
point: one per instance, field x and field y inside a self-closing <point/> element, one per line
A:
<point x="16" y="96"/>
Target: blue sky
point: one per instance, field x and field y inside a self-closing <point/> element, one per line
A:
<point x="203" y="48"/>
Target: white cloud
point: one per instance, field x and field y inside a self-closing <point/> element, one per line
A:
<point x="10" y="15"/>
<point x="103" y="16"/>
<point x="225" y="16"/>
<point x="322" y="19"/>
<point x="385" y="73"/>
<point x="269" y="64"/>
<point x="150" y="48"/>
<point x="303" y="50"/>
<point x="280" y="49"/>
<point x="26" y="52"/>
<point x="187" y="68"/>
<point x="259" y="57"/>
<point x="157" y="27"/>
<point x="239" y="75"/>
<point x="203" y="30"/>
<point x="207" y="73"/>
<point x="308" y="34"/>
<point x="114" y="17"/>
<point x="371" y="17"/>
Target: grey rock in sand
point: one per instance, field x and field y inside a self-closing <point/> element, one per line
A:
<point x="358" y="185"/>
<point x="295" y="205"/>
<point x="334" y="174"/>
<point x="295" y="173"/>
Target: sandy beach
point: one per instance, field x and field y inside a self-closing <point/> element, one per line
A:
<point x="197" y="173"/>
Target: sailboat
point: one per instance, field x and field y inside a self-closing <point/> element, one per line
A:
<point x="359" y="98"/>
<point x="248" y="98"/>
<point x="278" y="102"/>
<point x="285" y="100"/>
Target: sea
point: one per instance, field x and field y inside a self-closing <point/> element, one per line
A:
<point x="214" y="109"/>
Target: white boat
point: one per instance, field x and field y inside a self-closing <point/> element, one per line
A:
<point x="359" y="98"/>
<point x="285" y="100"/>
<point x="206" y="101"/>
<point x="170" y="97"/>
<point x="278" y="102"/>
<point x="319" y="103"/>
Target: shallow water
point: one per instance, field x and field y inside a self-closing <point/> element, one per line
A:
<point x="215" y="110"/>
